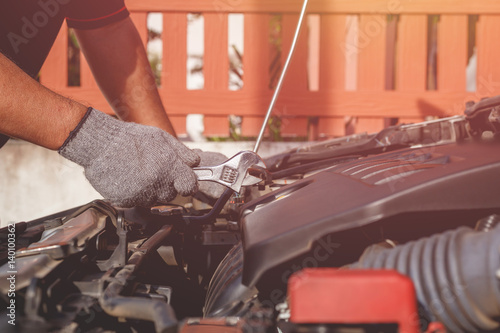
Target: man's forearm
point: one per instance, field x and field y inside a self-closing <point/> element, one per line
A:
<point x="32" y="112"/>
<point x="120" y="65"/>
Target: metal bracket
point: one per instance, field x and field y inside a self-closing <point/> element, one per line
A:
<point x="119" y="256"/>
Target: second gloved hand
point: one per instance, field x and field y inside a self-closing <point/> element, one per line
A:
<point x="208" y="191"/>
<point x="131" y="164"/>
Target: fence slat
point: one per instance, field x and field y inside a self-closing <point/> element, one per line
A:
<point x="54" y="73"/>
<point x="333" y="103"/>
<point x="333" y="51"/>
<point x="452" y="52"/>
<point x="255" y="67"/>
<point x="411" y="57"/>
<point x="174" y="62"/>
<point x="488" y="50"/>
<point x="256" y="54"/>
<point x="331" y="126"/>
<point x="249" y="125"/>
<point x="296" y="77"/>
<point x="372" y="52"/>
<point x="371" y="63"/>
<point x="294" y="126"/>
<point x="216" y="59"/>
<point x="411" y="60"/>
<point x="216" y="126"/>
<point x="178" y="122"/>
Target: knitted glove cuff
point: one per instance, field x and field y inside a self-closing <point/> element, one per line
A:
<point x="76" y="129"/>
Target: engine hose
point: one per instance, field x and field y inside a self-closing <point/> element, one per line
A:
<point x="454" y="273"/>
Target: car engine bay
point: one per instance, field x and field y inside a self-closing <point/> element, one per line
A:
<point x="340" y="217"/>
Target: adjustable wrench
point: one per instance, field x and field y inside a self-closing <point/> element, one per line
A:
<point x="234" y="172"/>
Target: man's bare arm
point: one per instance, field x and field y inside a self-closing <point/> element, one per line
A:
<point x="130" y="164"/>
<point x="32" y="112"/>
<point x="119" y="63"/>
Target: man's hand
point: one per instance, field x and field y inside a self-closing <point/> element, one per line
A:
<point x="131" y="164"/>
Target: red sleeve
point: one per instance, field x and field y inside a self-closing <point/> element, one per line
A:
<point x="92" y="14"/>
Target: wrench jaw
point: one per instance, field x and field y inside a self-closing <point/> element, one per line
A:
<point x="260" y="173"/>
<point x="234" y="172"/>
<point x="252" y="179"/>
<point x="248" y="159"/>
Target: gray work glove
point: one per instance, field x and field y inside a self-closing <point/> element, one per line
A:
<point x="208" y="191"/>
<point x="131" y="164"/>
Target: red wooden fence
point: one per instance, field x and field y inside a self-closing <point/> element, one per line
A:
<point x="384" y="67"/>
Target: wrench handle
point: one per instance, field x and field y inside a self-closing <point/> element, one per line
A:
<point x="203" y="173"/>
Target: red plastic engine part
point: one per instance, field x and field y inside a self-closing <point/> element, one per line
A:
<point x="332" y="296"/>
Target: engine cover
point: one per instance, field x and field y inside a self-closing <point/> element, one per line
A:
<point x="283" y="224"/>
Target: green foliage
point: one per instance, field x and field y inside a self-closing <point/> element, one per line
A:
<point x="274" y="125"/>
